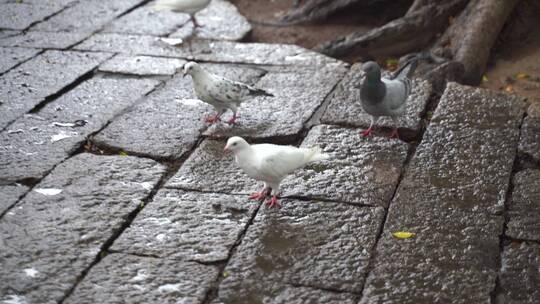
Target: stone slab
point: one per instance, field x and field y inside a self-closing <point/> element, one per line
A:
<point x="142" y="65"/>
<point x="49" y="240"/>
<point x="208" y="169"/>
<point x="529" y="144"/>
<point x="355" y="164"/>
<point x="452" y="197"/>
<point x="177" y="117"/>
<point x="305" y="243"/>
<point x="86" y="16"/>
<point x="24" y="87"/>
<point x="8" y="33"/>
<point x="520" y="274"/>
<point x="46" y="40"/>
<point x="207" y="50"/>
<point x="20" y="16"/>
<point x="190" y="226"/>
<point x="145" y="20"/>
<point x="12" y="56"/>
<point x="298" y="92"/>
<point x="345" y="107"/>
<point x="220" y="21"/>
<point x="9" y="195"/>
<point x="34" y="144"/>
<point x="276" y="293"/>
<point x="523" y="210"/>
<point x="120" y="278"/>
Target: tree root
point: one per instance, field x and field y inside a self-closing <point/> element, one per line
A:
<point x="409" y="33"/>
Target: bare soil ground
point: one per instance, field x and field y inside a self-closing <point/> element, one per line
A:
<point x="515" y="61"/>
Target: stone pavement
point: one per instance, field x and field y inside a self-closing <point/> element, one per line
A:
<point x="114" y="190"/>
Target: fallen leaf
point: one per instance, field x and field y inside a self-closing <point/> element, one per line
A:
<point x="485" y="78"/>
<point x="48" y="191"/>
<point x="122" y="153"/>
<point x="403" y="234"/>
<point x="522" y="76"/>
<point x="509" y="88"/>
<point x="391" y="63"/>
<point x="225" y="274"/>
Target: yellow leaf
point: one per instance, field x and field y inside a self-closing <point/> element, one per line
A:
<point x="509" y="88"/>
<point x="485" y="78"/>
<point x="403" y="234"/>
<point x="225" y="274"/>
<point x="522" y="76"/>
<point x="122" y="153"/>
<point x="391" y="63"/>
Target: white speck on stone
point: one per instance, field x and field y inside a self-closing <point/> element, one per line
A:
<point x="48" y="191"/>
<point x="147" y="186"/>
<point x="141" y="275"/>
<point x="63" y="135"/>
<point x="31" y="272"/>
<point x="139" y="287"/>
<point x="172" y="41"/>
<point x="160" y="237"/>
<point x="14" y="299"/>
<point x="190" y="102"/>
<point x="167" y="288"/>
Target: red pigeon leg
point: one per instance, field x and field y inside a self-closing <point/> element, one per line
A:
<point x="273" y="202"/>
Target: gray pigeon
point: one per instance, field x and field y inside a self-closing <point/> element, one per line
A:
<point x="220" y="92"/>
<point x="386" y="96"/>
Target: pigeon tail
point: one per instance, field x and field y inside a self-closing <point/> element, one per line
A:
<point x="314" y="154"/>
<point x="407" y="69"/>
<point x="260" y="92"/>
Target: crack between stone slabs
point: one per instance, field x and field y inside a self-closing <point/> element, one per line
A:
<point x="433" y="103"/>
<point x="212" y="293"/>
<point x="20" y="63"/>
<point x="508" y="239"/>
<point x="108" y="243"/>
<point x="51" y="98"/>
<point x="326" y="289"/>
<point x="46" y="18"/>
<point x="503" y="239"/>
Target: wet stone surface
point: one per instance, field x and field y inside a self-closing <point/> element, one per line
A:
<point x="520" y="274"/>
<point x="208" y="169"/>
<point x="19" y="16"/>
<point x="48" y="240"/>
<point x="345" y="107"/>
<point x="32" y="145"/>
<point x="49" y="40"/>
<point x="279" y="293"/>
<point x="146" y="20"/>
<point x="523" y="210"/>
<point x="177" y="118"/>
<point x="120" y="278"/>
<point x="305" y="243"/>
<point x="220" y="20"/>
<point x="361" y="171"/>
<point x="529" y="144"/>
<point x="453" y="200"/>
<point x="298" y="92"/>
<point x="187" y="226"/>
<point x="11" y="56"/>
<point x="142" y="65"/>
<point x="22" y="88"/>
<point x="207" y="50"/>
<point x="86" y="16"/>
<point x="9" y="195"/>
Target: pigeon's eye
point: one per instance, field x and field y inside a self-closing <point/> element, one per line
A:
<point x="234" y="144"/>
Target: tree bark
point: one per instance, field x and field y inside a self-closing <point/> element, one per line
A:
<point x="471" y="36"/>
<point x="313" y="10"/>
<point x="409" y="33"/>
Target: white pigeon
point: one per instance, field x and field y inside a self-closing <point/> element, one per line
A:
<point x="220" y="92"/>
<point x="270" y="163"/>
<point x="190" y="7"/>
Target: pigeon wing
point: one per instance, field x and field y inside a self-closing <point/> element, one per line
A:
<point x="228" y="91"/>
<point x="278" y="161"/>
<point x="397" y="91"/>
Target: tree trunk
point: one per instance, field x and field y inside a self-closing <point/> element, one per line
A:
<point x="313" y="10"/>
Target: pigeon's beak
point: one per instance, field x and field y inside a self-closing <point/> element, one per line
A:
<point x="226" y="150"/>
<point x="184" y="73"/>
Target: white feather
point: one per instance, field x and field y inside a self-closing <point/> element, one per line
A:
<point x="182" y="6"/>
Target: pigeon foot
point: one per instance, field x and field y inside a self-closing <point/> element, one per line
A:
<point x="212" y="119"/>
<point x="367" y="133"/>
<point x="260" y="196"/>
<point x="232" y="121"/>
<point x="394" y="134"/>
<point x="273" y="202"/>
